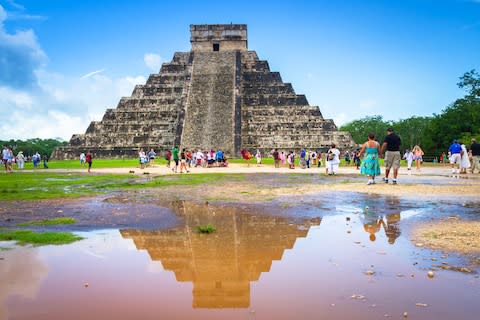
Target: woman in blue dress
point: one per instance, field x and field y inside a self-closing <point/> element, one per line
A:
<point x="370" y="165"/>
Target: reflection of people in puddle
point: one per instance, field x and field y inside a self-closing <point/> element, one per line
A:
<point x="391" y="228"/>
<point x="372" y="227"/>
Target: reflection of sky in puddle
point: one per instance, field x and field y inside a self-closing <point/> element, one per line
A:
<point x="254" y="266"/>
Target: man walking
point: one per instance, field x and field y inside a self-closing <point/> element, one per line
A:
<point x="392" y="143"/>
<point x="455" y="158"/>
<point x="475" y="148"/>
<point x="175" y="158"/>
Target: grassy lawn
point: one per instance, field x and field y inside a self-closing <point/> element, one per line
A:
<point x="47" y="185"/>
<point x="23" y="237"/>
<point x="48" y="222"/>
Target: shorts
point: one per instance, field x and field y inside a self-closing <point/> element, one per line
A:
<point x="176" y="161"/>
<point x="392" y="159"/>
<point x="456" y="158"/>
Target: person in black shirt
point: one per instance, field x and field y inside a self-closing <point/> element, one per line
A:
<point x="392" y="143"/>
<point x="475" y="149"/>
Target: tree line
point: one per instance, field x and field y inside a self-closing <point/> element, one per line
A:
<point x="30" y="146"/>
<point x="459" y="120"/>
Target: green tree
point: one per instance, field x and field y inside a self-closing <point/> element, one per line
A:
<point x="359" y="129"/>
<point x="30" y="146"/>
<point x="460" y="120"/>
<point x="412" y="131"/>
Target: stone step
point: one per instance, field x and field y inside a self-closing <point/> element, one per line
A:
<point x="285" y="88"/>
<point x="173" y="68"/>
<point x="166" y="79"/>
<point x="275" y="100"/>
<point x="261" y="78"/>
<point x="256" y="66"/>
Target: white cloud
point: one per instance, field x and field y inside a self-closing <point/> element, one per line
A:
<point x="62" y="106"/>
<point x="88" y="75"/>
<point x="20" y="56"/>
<point x="153" y="61"/>
<point x="11" y="97"/>
<point x="35" y="102"/>
<point x="3" y="14"/>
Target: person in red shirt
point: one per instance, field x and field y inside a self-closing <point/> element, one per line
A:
<point x="88" y="159"/>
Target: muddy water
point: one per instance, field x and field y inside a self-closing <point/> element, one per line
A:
<point x="338" y="257"/>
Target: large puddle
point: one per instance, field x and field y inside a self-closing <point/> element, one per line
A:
<point x="339" y="257"/>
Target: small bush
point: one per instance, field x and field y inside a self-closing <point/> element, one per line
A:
<point x="208" y="228"/>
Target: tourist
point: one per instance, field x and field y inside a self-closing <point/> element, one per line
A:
<point x="88" y="160"/>
<point x="314" y="158"/>
<point x="183" y="161"/>
<point x="319" y="159"/>
<point x="209" y="159"/>
<point x="455" y="151"/>
<point x="45" y="161"/>
<point x="417" y="156"/>
<point x="356" y="159"/>
<point x="370" y="165"/>
<point x="475" y="149"/>
<point x="333" y="160"/>
<point x="175" y="158"/>
<point x="291" y="160"/>
<point x="443" y="158"/>
<point x="347" y="158"/>
<point x="189" y="156"/>
<point x="168" y="157"/>
<point x="20" y="160"/>
<point x="392" y="144"/>
<point x="36" y="160"/>
<point x="200" y="159"/>
<point x="409" y="157"/>
<point x="151" y="156"/>
<point x="465" y="163"/>
<point x="7" y="156"/>
<point x="247" y="156"/>
<point x="142" y="158"/>
<point x="258" y="156"/>
<point x="283" y="158"/>
<point x="220" y="157"/>
<point x="302" y="159"/>
<point x="307" y="158"/>
<point x="82" y="159"/>
<point x="276" y="158"/>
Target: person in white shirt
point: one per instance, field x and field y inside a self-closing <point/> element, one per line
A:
<point x="20" y="160"/>
<point x="82" y="159"/>
<point x="409" y="157"/>
<point x="333" y="160"/>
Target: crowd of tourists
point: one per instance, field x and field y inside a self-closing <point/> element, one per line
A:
<point x="9" y="159"/>
<point x="461" y="158"/>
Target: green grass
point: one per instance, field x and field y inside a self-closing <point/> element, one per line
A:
<point x="23" y="237"/>
<point x="208" y="228"/>
<point x="97" y="163"/>
<point x="48" y="222"/>
<point x="43" y="185"/>
<point x="47" y="185"/>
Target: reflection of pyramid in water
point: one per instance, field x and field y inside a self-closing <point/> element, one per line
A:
<point x="220" y="265"/>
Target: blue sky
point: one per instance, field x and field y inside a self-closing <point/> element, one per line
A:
<point x="62" y="63"/>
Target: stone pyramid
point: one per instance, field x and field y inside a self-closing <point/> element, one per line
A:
<point x="218" y="95"/>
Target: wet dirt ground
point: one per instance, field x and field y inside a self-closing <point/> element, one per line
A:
<point x="286" y="247"/>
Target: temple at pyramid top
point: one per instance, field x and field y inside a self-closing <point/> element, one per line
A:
<point x="218" y="37"/>
<point x="219" y="95"/>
